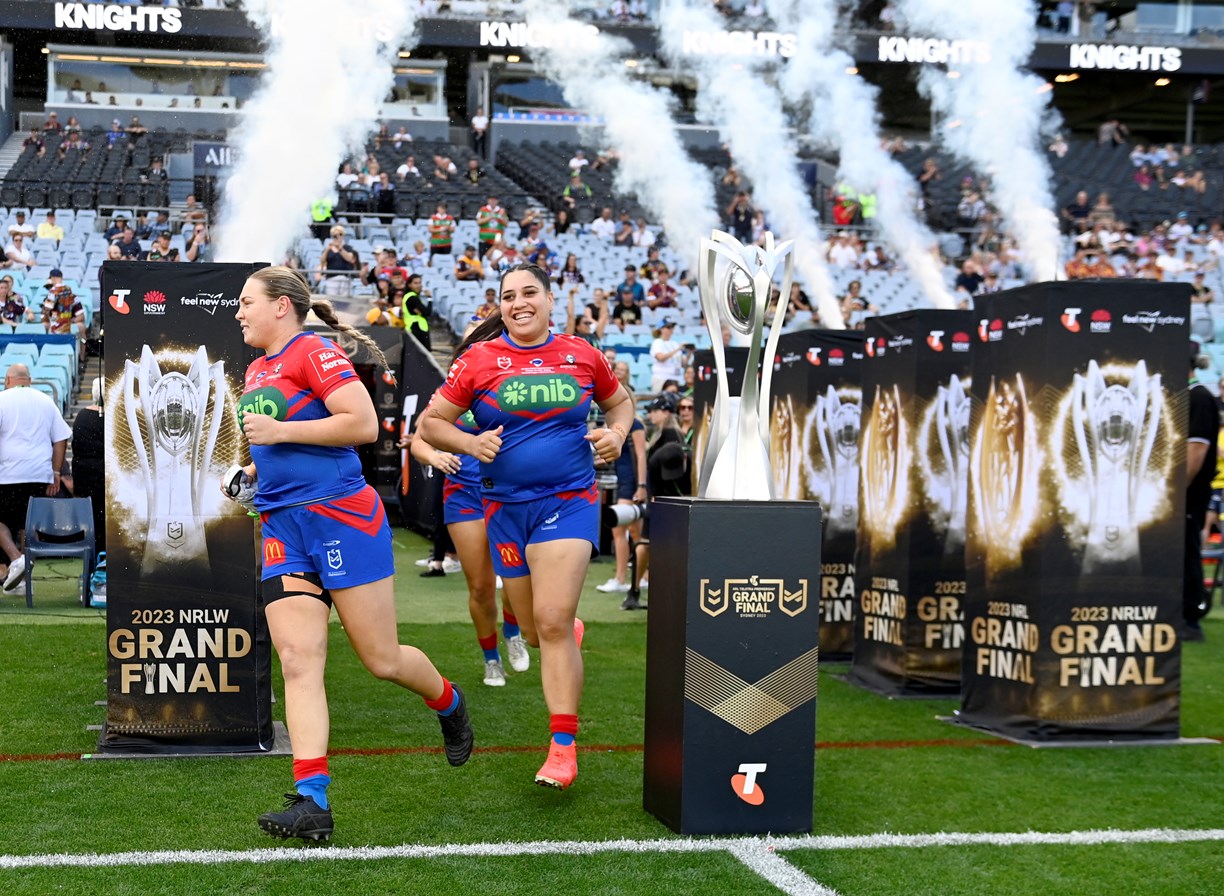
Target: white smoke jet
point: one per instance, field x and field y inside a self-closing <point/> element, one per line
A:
<point x="327" y="74"/>
<point x="747" y="111"/>
<point x="845" y="116"/>
<point x="992" y="113"/>
<point x="589" y="68"/>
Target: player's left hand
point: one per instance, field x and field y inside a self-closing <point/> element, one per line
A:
<point x="607" y="442"/>
<point x="260" y="429"/>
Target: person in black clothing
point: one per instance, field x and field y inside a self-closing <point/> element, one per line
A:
<point x="667" y="475"/>
<point x="739" y="217"/>
<point x="88" y="449"/>
<point x="1200" y="470"/>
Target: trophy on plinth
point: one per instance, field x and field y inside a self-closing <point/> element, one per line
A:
<point x="174" y="419"/>
<point x="1115" y="429"/>
<point x="736" y="464"/>
<point x="733" y="646"/>
<point x="952" y="430"/>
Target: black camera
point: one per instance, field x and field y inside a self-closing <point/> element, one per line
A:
<point x="623" y="514"/>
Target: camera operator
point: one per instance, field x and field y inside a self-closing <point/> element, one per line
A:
<point x="630" y="491"/>
<point x="667" y="475"/>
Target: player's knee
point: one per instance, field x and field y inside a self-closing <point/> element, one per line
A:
<point x="553" y="625"/>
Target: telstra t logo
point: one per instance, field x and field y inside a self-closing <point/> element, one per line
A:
<point x="745" y="786"/>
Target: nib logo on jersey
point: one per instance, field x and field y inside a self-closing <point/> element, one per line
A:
<point x="267" y="401"/>
<point x="745" y="783"/>
<point x="539" y="393"/>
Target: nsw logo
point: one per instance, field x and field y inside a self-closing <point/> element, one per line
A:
<point x="836" y="357"/>
<point x="118" y="301"/>
<point x="990" y="330"/>
<point x="745" y="783"/>
<point x="1100" y="322"/>
<point x="155" y="302"/>
<point x="539" y="393"/>
<point x="960" y="341"/>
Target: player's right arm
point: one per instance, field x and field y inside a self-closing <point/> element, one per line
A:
<point x="437" y="427"/>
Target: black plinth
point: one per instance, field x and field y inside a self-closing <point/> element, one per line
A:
<point x="731" y="665"/>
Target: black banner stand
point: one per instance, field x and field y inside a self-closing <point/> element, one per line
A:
<point x="731" y="665"/>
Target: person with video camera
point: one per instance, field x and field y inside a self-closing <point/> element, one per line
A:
<point x="631" y="494"/>
<point x="667" y="475"/>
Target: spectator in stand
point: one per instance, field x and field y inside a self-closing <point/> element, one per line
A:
<point x="491" y="221"/>
<point x="35" y="141"/>
<point x="739" y="217"/>
<point x="12" y="308"/>
<point x="467" y="265"/>
<point x="626" y="311"/>
<point x="854" y="305"/>
<point x="384" y="194"/>
<point x="662" y="294"/>
<point x="157" y="173"/>
<point x="400" y="137"/>
<point x="491" y="304"/>
<point x="474" y="174"/>
<point x="33" y="442"/>
<point x="52" y="124"/>
<point x="49" y="230"/>
<point x="604" y="227"/>
<point x="441" y="233"/>
<point x="590" y="325"/>
<point x="414" y="311"/>
<point x="194" y="213"/>
<point x="480" y="132"/>
<point x="444" y="168"/>
<point x="1076" y="212"/>
<point x="136" y="128"/>
<point x="129" y="246"/>
<point x="417" y="256"/>
<point x="1088" y="265"/>
<point x="1143" y="177"/>
<point x="926" y="177"/>
<point x="1181" y="229"/>
<point x="338" y="262"/>
<point x="575" y="190"/>
<point x="16" y="252"/>
<point x="1112" y="133"/>
<point x="570" y="274"/>
<point x="652" y="265"/>
<point x="579" y="161"/>
<point x="1139" y="156"/>
<point x="160" y="249"/>
<point x="116" y="134"/>
<point x="624" y="236"/>
<point x="1192" y="170"/>
<point x="408" y="169"/>
<point x="1058" y="146"/>
<point x="643" y="237"/>
<point x="1102" y="211"/>
<point x="969" y="280"/>
<point x="1202" y="327"/>
<point x="64" y="314"/>
<point x="668" y="357"/>
<point x="633" y="284"/>
<point x="842" y="253"/>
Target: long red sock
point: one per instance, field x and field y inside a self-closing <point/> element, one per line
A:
<point x="447" y="701"/>
<point x="564" y="728"/>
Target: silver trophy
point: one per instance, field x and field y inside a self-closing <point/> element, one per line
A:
<point x="167" y="416"/>
<point x="736" y="462"/>
<point x="1115" y="428"/>
<point x="952" y="428"/>
<point x="837" y="425"/>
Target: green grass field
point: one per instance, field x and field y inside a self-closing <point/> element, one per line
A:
<point x="408" y="823"/>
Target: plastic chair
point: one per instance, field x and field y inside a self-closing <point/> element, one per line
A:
<point x="59" y="527"/>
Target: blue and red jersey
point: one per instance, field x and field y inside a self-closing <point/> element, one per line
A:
<point x="542" y="395"/>
<point x="468" y="474"/>
<point x="294" y="384"/>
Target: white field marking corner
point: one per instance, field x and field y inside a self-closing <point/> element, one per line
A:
<point x="757" y="853"/>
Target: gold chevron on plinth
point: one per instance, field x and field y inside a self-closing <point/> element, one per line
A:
<point x="750" y="707"/>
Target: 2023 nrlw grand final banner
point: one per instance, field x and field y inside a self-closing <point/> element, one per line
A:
<point x="813" y="436"/>
<point x="1076" y="511"/>
<point x="913" y="468"/>
<point x="188" y="657"/>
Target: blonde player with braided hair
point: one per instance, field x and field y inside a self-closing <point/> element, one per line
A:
<point x="325" y="534"/>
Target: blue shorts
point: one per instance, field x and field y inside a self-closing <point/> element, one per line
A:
<point x="461" y="503"/>
<point x="347" y="541"/>
<point x="511" y="527"/>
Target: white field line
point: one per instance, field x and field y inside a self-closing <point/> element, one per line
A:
<point x="761" y="858"/>
<point x="731" y="845"/>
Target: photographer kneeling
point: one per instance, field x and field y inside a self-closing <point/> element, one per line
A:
<point x="667" y="475"/>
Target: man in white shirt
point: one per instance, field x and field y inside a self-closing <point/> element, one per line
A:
<point x="642" y="236"/>
<point x="604" y="227"/>
<point x="408" y="168"/>
<point x="579" y="161"/>
<point x="33" y="442"/>
<point x="480" y="131"/>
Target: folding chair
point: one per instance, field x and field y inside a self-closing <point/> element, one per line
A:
<point x="59" y="527"/>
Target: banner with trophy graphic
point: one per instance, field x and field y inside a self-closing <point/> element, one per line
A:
<point x="188" y="656"/>
<point x="1076" y="530"/>
<point x="834" y="367"/>
<point x="913" y="456"/>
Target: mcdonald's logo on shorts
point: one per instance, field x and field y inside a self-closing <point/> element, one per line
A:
<point x="509" y="554"/>
<point x="274" y="551"/>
